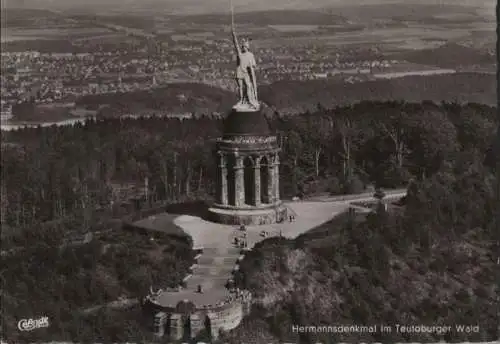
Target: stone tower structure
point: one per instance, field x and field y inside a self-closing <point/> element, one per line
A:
<point x="248" y="191"/>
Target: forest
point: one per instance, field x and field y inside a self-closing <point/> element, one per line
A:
<point x="52" y="173"/>
<point x="431" y="263"/>
<point x="57" y="180"/>
<point x="430" y="260"/>
<point x="297" y="96"/>
<point x="450" y="55"/>
<point x="286" y="97"/>
<point x="175" y="98"/>
<point x="76" y="285"/>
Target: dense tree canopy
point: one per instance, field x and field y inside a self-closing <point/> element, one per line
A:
<point x="61" y="179"/>
<point x="50" y="173"/>
<point x="48" y="278"/>
<point x="433" y="263"/>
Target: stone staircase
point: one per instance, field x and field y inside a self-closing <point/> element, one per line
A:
<point x="213" y="268"/>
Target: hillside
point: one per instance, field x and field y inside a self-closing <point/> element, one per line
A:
<point x="387" y="269"/>
<point x="404" y="10"/>
<point x="175" y="98"/>
<point x="297" y="96"/>
<point x="30" y="112"/>
<point x="449" y="55"/>
<point x="63" y="282"/>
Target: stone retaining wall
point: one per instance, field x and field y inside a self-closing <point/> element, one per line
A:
<point x="212" y="319"/>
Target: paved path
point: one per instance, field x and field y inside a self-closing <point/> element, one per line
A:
<point x="219" y="256"/>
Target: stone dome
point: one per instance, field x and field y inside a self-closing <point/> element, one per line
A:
<point x="239" y="123"/>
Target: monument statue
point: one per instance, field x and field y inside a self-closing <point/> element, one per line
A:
<point x="245" y="73"/>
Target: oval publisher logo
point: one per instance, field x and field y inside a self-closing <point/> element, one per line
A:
<point x="32" y="324"/>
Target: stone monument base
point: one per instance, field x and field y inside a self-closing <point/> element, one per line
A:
<point x="248" y="216"/>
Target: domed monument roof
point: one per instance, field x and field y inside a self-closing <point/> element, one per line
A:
<point x="246" y="123"/>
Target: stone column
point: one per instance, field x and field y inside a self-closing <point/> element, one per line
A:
<point x="239" y="187"/>
<point x="277" y="177"/>
<point x="160" y="320"/>
<point x="270" y="179"/>
<point x="176" y="327"/>
<point x="214" y="331"/>
<point x="257" y="181"/>
<point x="197" y="324"/>
<point x="223" y="182"/>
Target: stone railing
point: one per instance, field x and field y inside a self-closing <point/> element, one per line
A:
<point x="251" y="139"/>
<point x="389" y="194"/>
<point x="238" y="296"/>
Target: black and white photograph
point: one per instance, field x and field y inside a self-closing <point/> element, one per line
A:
<point x="250" y="171"/>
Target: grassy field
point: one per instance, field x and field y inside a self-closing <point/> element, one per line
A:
<point x="20" y="34"/>
<point x="408" y="37"/>
<point x="391" y="27"/>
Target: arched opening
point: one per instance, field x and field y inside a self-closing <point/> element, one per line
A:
<point x="218" y="177"/>
<point x="186" y="327"/>
<point x="208" y="328"/>
<point x="168" y="326"/>
<point x="264" y="180"/>
<point x="249" y="176"/>
<point x="231" y="190"/>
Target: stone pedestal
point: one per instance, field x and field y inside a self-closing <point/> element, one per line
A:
<point x="250" y="217"/>
<point x="246" y="145"/>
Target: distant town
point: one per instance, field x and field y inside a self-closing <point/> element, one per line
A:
<point x="51" y="77"/>
<point x="77" y="56"/>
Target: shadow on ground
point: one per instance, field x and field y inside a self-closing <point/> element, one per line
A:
<point x="193" y="208"/>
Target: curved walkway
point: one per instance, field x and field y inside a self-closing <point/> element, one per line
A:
<point x="219" y="256"/>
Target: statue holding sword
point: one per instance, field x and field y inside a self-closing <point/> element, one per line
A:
<point x="245" y="72"/>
